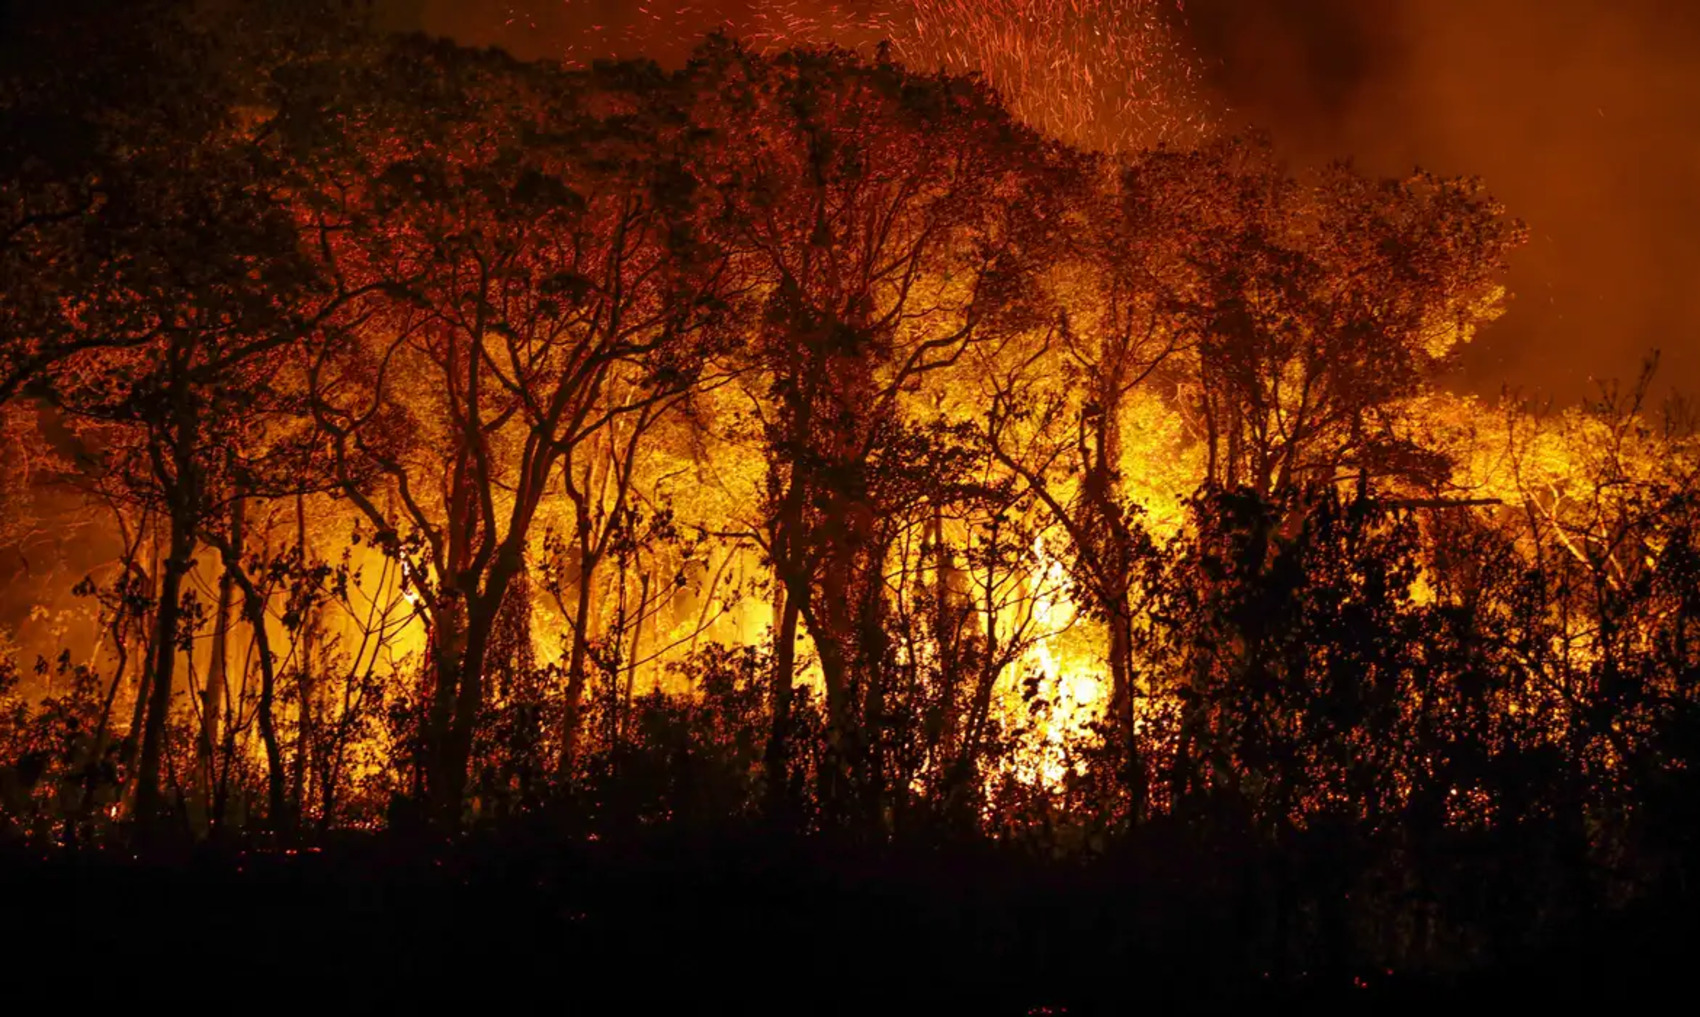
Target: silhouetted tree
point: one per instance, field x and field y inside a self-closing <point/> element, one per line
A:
<point x="537" y="234"/>
<point x="878" y="208"/>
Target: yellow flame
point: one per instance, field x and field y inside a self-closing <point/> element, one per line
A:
<point x="1070" y="690"/>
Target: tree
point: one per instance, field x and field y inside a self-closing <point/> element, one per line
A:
<point x="879" y="209"/>
<point x="1318" y="304"/>
<point x="546" y="277"/>
<point x="179" y="294"/>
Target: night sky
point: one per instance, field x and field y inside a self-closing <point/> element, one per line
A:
<point x="1583" y="116"/>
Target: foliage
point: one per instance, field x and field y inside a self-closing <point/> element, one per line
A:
<point x="798" y="441"/>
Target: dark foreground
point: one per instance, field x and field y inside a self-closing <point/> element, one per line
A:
<point x="740" y="925"/>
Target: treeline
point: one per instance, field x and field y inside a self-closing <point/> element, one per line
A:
<point x="798" y="438"/>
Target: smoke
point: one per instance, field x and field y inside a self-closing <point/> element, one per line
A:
<point x="1105" y="74"/>
<point x="1583" y="116"/>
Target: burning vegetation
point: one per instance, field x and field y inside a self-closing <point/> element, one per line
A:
<point x="402" y="436"/>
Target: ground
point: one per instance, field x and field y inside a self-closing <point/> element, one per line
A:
<point x="738" y="925"/>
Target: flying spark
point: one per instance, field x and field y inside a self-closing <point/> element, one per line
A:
<point x="1105" y="74"/>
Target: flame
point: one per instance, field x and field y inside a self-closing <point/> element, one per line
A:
<point x="1069" y="693"/>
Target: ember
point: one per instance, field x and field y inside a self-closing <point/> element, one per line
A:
<point x="877" y="445"/>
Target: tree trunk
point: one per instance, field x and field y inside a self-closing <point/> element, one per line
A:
<point x="454" y="752"/>
<point x="962" y="768"/>
<point x="146" y="627"/>
<point x="778" y="756"/>
<point x="632" y="661"/>
<point x="254" y="611"/>
<point x="212" y="696"/>
<point x="834" y="776"/>
<point x="302" y="763"/>
<point x="97" y="746"/>
<point x="871" y="658"/>
<point x="577" y="665"/>
<point x="177" y="564"/>
<point x="1122" y="695"/>
<point x="450" y="790"/>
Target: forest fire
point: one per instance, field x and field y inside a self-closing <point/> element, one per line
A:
<point x="411" y="439"/>
<point x="1106" y="74"/>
